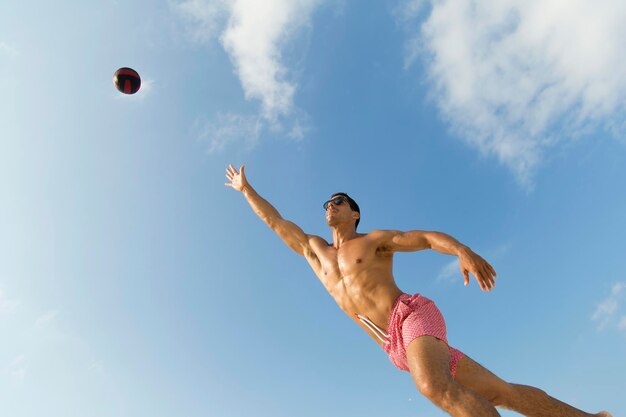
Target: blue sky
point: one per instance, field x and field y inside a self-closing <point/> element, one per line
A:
<point x="132" y="282"/>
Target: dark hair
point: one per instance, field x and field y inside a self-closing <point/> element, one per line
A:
<point x="353" y="205"/>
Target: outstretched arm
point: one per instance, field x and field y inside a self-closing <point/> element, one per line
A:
<point x="289" y="232"/>
<point x="469" y="261"/>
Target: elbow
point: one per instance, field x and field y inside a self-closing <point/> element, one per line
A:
<point x="272" y="223"/>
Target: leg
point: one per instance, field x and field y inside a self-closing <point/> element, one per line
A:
<point x="429" y="363"/>
<point x="529" y="401"/>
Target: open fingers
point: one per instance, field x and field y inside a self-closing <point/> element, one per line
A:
<point x="492" y="273"/>
<point x="485" y="279"/>
<point x="488" y="275"/>
<point x="231" y="170"/>
<point x="488" y="278"/>
<point x="481" y="270"/>
<point x="482" y="278"/>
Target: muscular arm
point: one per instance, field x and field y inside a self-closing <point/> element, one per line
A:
<point x="418" y="240"/>
<point x="469" y="261"/>
<point x="289" y="232"/>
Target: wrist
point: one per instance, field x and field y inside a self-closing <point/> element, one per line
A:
<point x="244" y="188"/>
<point x="462" y="250"/>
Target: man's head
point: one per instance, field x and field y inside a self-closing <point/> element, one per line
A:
<point x="338" y="200"/>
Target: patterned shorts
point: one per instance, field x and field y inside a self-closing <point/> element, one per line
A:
<point x="413" y="316"/>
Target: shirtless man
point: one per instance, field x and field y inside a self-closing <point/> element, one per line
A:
<point x="356" y="271"/>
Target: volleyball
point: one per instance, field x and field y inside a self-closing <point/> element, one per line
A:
<point x="127" y="80"/>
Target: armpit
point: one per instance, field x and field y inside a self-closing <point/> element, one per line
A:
<point x="383" y="239"/>
<point x="384" y="250"/>
<point x="312" y="259"/>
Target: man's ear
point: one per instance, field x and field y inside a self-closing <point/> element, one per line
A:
<point x="356" y="215"/>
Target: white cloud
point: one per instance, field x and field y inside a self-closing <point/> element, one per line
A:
<point x="609" y="307"/>
<point x="515" y="77"/>
<point x="227" y="129"/>
<point x="7" y="306"/>
<point x="299" y="129"/>
<point x="206" y="16"/>
<point x="255" y="35"/>
<point x="450" y="272"/>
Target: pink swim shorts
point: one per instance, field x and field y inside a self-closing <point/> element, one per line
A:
<point x="413" y="316"/>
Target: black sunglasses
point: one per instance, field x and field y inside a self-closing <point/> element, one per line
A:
<point x="336" y="201"/>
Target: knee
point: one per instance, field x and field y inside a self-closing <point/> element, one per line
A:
<point x="439" y="392"/>
<point x="501" y="395"/>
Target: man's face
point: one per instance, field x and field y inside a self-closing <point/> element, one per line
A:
<point x="338" y="211"/>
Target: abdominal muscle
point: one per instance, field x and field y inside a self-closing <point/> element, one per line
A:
<point x="358" y="277"/>
<point x="368" y="294"/>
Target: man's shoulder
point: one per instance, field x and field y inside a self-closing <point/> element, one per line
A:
<point x="381" y="240"/>
<point x="382" y="234"/>
<point x="317" y="240"/>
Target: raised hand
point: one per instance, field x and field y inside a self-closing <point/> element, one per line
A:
<point x="237" y="179"/>
<point x="484" y="273"/>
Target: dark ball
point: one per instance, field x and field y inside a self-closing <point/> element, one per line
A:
<point x="127" y="80"/>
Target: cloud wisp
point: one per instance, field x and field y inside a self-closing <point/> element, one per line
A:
<point x="206" y="17"/>
<point x="254" y="35"/>
<point x="229" y="128"/>
<point x="516" y="77"/>
<point x="609" y="307"/>
<point x="450" y="272"/>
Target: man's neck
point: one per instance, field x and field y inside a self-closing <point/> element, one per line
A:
<point x="342" y="234"/>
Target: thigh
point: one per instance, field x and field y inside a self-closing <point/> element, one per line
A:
<point x="429" y="361"/>
<point x="474" y="376"/>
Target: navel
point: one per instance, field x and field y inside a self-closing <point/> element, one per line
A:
<point x="358" y="260"/>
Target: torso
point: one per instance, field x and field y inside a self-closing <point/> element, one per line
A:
<point x="358" y="275"/>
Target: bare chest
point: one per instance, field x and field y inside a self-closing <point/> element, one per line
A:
<point x="349" y="258"/>
<point x="350" y="265"/>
